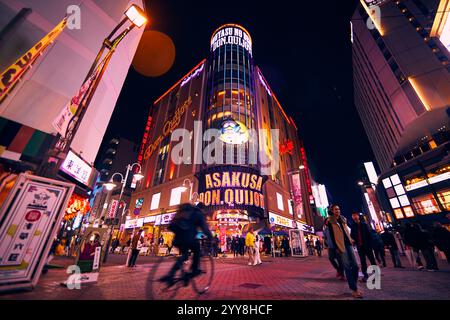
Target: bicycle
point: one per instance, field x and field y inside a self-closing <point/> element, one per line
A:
<point x="157" y="290"/>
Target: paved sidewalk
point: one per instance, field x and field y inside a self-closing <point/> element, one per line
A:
<point x="308" y="278"/>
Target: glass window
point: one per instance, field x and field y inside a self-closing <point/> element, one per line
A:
<point x="175" y="196"/>
<point x="394" y="203"/>
<point x="387" y="183"/>
<point x="155" y="201"/>
<point x="390" y="193"/>
<point x="404" y="200"/>
<point x="395" y="179"/>
<point x="399" y="190"/>
<point x="280" y="201"/>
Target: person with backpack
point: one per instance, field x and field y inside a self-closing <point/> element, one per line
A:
<point x="185" y="225"/>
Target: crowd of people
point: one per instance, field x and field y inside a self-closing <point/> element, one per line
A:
<point x="340" y="241"/>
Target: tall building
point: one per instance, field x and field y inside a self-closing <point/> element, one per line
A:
<point x="401" y="64"/>
<point x="251" y="175"/>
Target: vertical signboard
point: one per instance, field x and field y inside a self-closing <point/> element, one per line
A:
<point x="296" y="190"/>
<point x="113" y="209"/>
<point x="29" y="220"/>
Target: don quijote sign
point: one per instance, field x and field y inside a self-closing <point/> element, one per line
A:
<point x="231" y="35"/>
<point x="233" y="188"/>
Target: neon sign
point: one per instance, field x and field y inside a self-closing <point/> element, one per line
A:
<point x="234" y="132"/>
<point x="231" y="35"/>
<point x="232" y="188"/>
<point x="192" y="75"/>
<point x="169" y="126"/>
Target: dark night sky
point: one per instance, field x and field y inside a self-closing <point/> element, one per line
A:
<point x="304" y="51"/>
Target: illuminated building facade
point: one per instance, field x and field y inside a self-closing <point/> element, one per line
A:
<point x="401" y="63"/>
<point x="254" y="175"/>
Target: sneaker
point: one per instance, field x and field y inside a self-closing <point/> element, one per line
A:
<point x="420" y="267"/>
<point x="431" y="270"/>
<point x="250" y="264"/>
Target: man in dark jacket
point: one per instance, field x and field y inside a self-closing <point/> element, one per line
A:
<point x="389" y="241"/>
<point x="441" y="238"/>
<point x="185" y="225"/>
<point x="360" y="233"/>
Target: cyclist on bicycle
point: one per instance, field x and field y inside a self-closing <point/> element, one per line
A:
<point x="185" y="225"/>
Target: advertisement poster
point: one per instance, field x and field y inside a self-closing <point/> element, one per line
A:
<point x="297" y="246"/>
<point x="29" y="219"/>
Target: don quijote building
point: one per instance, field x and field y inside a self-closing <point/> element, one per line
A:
<point x="220" y="136"/>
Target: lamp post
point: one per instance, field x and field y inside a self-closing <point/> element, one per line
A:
<point x="61" y="144"/>
<point x="110" y="185"/>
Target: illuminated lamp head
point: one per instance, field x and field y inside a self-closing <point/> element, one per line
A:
<point x="234" y="132"/>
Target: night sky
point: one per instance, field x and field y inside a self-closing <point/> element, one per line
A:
<point x="305" y="54"/>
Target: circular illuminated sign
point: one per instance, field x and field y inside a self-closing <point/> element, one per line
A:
<point x="234" y="132"/>
<point x="231" y="34"/>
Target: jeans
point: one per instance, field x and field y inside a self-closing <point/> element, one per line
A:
<point x="395" y="257"/>
<point x="195" y="248"/>
<point x="430" y="258"/>
<point x="350" y="267"/>
<point x="133" y="258"/>
<point x="364" y="252"/>
<point x="335" y="260"/>
<point x="380" y="255"/>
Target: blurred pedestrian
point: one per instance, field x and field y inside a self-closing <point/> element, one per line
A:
<point x="378" y="248"/>
<point x="318" y="246"/>
<point x="250" y="245"/>
<point x="258" y="243"/>
<point x="427" y="247"/>
<point x="411" y="238"/>
<point x="441" y="238"/>
<point x="391" y="244"/>
<point x="343" y="242"/>
<point x="360" y="233"/>
<point x="135" y="242"/>
<point x="235" y="246"/>
<point x="241" y="246"/>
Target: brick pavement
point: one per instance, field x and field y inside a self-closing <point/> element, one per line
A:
<point x="310" y="278"/>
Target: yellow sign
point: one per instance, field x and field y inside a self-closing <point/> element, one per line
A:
<point x="12" y="75"/>
<point x="232" y="188"/>
<point x="169" y="126"/>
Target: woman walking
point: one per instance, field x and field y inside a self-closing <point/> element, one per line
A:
<point x="258" y="244"/>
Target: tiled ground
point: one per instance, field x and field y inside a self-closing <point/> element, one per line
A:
<point x="308" y="278"/>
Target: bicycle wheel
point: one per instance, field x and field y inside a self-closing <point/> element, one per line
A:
<point x="157" y="290"/>
<point x="202" y="282"/>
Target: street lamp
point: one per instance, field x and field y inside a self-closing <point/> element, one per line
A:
<point x="184" y="187"/>
<point x="110" y="185"/>
<point x="57" y="153"/>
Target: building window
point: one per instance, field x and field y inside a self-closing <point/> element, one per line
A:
<point x="397" y="197"/>
<point x="175" y="196"/>
<point x="280" y="202"/>
<point x="155" y="201"/>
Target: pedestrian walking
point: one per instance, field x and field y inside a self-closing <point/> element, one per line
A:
<point x="441" y="238"/>
<point x="114" y="245"/>
<point x="318" y="246"/>
<point x="411" y="238"/>
<point x="360" y="233"/>
<point x="241" y="246"/>
<point x="426" y="245"/>
<point x="258" y="244"/>
<point x="391" y="244"/>
<point x="286" y="246"/>
<point x="378" y="248"/>
<point x="342" y="241"/>
<point x="333" y="256"/>
<point x="215" y="246"/>
<point x="135" y="242"/>
<point x="250" y="245"/>
<point x="235" y="246"/>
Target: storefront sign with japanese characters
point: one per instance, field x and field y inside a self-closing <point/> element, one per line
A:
<point x="29" y="219"/>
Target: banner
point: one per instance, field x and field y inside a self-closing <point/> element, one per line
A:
<point x="29" y="220"/>
<point x="62" y="121"/>
<point x="12" y="75"/>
